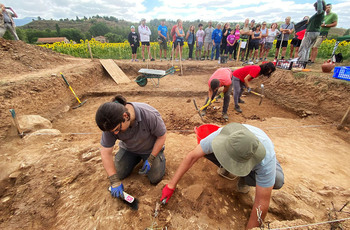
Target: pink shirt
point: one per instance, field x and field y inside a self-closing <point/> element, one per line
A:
<point x="223" y="75"/>
<point x="237" y="34"/>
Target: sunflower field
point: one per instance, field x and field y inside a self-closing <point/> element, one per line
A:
<point x="123" y="50"/>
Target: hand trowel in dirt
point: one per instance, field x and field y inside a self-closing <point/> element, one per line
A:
<point x="131" y="201"/>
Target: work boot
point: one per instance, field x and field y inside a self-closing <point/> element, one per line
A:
<point x="241" y="101"/>
<point x="238" y="109"/>
<point x="225" y="174"/>
<point x="225" y="116"/>
<point x="242" y="187"/>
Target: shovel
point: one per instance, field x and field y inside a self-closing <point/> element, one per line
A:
<point x="71" y="89"/>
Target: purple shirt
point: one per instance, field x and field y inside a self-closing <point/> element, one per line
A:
<point x="231" y="39"/>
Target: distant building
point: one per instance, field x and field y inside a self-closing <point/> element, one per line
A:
<point x="101" y="39"/>
<point x="52" y="40"/>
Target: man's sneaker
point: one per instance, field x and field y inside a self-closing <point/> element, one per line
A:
<point x="265" y="59"/>
<point x="225" y="174"/>
<point x="143" y="60"/>
<point x="256" y="61"/>
<point x="152" y="59"/>
<point x="250" y="63"/>
<point x="225" y="116"/>
<point x="176" y="59"/>
<point x="136" y="60"/>
<point x="260" y="59"/>
<point x="132" y="60"/>
<point x="238" y="109"/>
<point x="207" y="58"/>
<point x="240" y="101"/>
<point x="242" y="187"/>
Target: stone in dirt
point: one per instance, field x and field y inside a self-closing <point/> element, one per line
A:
<point x="192" y="192"/>
<point x="31" y="123"/>
<point x="44" y="132"/>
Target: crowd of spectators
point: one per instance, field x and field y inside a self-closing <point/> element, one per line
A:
<point x="252" y="42"/>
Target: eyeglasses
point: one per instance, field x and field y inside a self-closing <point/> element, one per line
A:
<point x="117" y="129"/>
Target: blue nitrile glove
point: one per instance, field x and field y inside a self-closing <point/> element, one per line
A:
<point x="147" y="165"/>
<point x="117" y="191"/>
<point x="116" y="187"/>
<point x="249" y="89"/>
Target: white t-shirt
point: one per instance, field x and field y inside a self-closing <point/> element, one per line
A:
<point x="145" y="33"/>
<point x="272" y="35"/>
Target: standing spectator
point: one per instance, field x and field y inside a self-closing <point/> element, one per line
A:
<point x="231" y="41"/>
<point x="264" y="34"/>
<point x="216" y="37"/>
<point x="200" y="40"/>
<point x="134" y="41"/>
<point x="242" y="77"/>
<point x="237" y="43"/>
<point x="225" y="33"/>
<point x="312" y="31"/>
<point x="208" y="42"/>
<point x="173" y="36"/>
<point x="191" y="39"/>
<point x="252" y="28"/>
<point x="272" y="33"/>
<point x="245" y="33"/>
<point x="180" y="36"/>
<point x="286" y="29"/>
<point x="296" y="41"/>
<point x="254" y="44"/>
<point x="330" y="20"/>
<point x="6" y="21"/>
<point x="163" y="37"/>
<point x="145" y="34"/>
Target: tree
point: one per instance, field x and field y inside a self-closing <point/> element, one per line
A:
<point x="99" y="29"/>
<point x="58" y="30"/>
<point x="77" y="18"/>
<point x="347" y="32"/>
<point x="112" y="37"/>
<point x="39" y="18"/>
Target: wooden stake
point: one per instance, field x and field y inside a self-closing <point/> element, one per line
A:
<point x="172" y="55"/>
<point x="92" y="58"/>
<point x="343" y="120"/>
<point x="178" y="44"/>
<point x="239" y="50"/>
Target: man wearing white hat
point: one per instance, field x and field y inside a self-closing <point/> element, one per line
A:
<point x="244" y="151"/>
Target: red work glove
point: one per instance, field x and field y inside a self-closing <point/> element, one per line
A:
<point x="167" y="193"/>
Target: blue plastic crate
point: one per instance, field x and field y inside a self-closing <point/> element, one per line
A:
<point x="342" y="72"/>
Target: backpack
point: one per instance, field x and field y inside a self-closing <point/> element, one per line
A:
<point x="338" y="57"/>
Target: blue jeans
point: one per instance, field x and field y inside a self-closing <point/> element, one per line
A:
<point x="217" y="54"/>
<point x="125" y="162"/>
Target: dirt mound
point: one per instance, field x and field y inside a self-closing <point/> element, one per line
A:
<point x="19" y="57"/>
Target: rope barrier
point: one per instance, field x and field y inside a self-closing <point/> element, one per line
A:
<point x="185" y="130"/>
<point x="307" y="225"/>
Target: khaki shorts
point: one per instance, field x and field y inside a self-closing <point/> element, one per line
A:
<point x="319" y="41"/>
<point x="208" y="46"/>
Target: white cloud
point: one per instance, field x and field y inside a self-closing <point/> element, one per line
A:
<point x="217" y="10"/>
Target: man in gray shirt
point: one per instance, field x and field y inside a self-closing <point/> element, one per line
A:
<point x="6" y="22"/>
<point x="286" y="29"/>
<point x="208" y="42"/>
<point x="244" y="151"/>
<point x="142" y="134"/>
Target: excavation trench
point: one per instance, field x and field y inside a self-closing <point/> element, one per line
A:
<point x="61" y="182"/>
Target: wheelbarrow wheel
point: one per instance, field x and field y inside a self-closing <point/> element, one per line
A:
<point x="141" y="80"/>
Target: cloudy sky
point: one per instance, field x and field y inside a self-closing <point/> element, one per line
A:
<point x="217" y="10"/>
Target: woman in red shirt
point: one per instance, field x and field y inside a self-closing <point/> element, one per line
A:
<point x="242" y="76"/>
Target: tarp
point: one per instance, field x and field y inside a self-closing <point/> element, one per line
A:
<point x="344" y="38"/>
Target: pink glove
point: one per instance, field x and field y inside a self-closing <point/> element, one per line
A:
<point x="167" y="193"/>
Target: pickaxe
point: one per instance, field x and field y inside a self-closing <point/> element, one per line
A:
<point x="206" y="105"/>
<point x="258" y="94"/>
